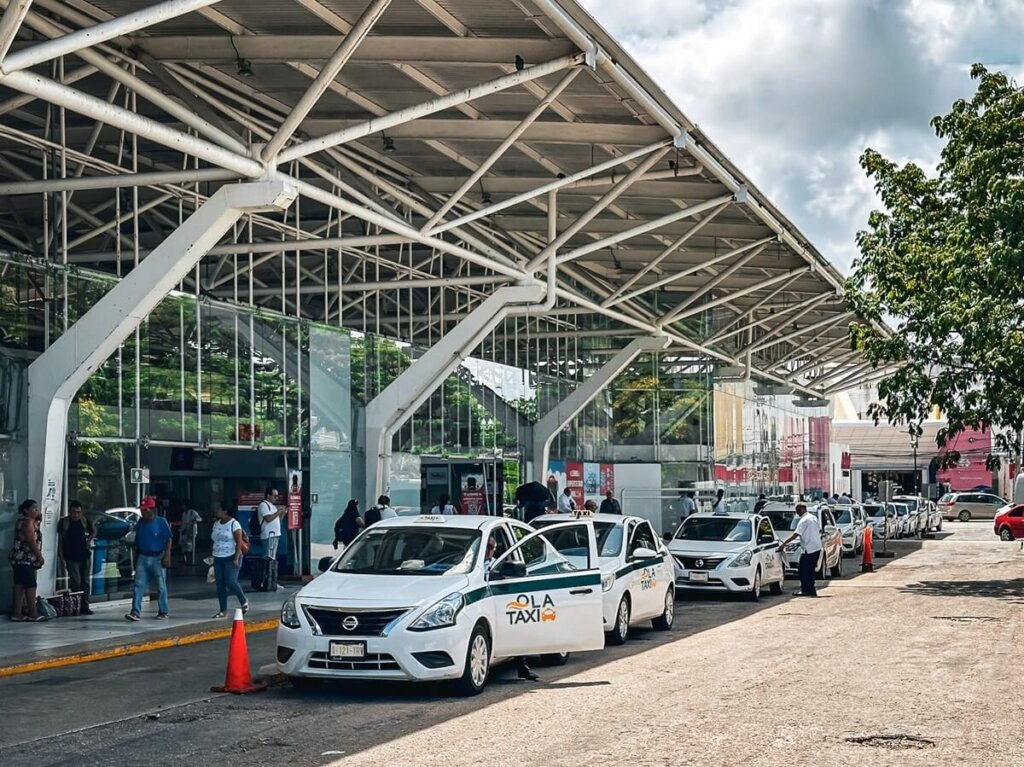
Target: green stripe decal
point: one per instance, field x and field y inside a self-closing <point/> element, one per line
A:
<point x="539" y="583"/>
<point x="634" y="566"/>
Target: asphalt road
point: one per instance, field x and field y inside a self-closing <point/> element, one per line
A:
<point x="925" y="647"/>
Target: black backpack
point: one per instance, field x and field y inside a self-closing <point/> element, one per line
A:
<point x="372" y="516"/>
<point x="256" y="523"/>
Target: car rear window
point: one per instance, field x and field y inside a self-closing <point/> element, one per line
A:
<point x="947" y="498"/>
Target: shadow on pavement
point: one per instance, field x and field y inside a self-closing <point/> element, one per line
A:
<point x="1010" y="590"/>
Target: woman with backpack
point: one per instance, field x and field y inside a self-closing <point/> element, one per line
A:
<point x="348" y="525"/>
<point x="229" y="546"/>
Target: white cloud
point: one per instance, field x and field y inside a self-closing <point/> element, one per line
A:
<point x="794" y="90"/>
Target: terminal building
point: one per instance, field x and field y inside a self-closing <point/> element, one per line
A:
<point x="414" y="247"/>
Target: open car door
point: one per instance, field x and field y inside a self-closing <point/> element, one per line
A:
<point x="544" y="593"/>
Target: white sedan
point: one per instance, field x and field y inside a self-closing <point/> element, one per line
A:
<point x="734" y="552"/>
<point x="636" y="572"/>
<point x="413" y="598"/>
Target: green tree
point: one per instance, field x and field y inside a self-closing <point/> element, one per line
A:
<point x="943" y="264"/>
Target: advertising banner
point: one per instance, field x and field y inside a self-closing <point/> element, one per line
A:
<point x="295" y="501"/>
<point x="607" y="478"/>
<point x="574" y="481"/>
<point x="556" y="478"/>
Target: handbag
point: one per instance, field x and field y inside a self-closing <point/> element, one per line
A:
<point x="43" y="607"/>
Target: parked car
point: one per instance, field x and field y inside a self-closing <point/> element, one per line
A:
<point x="784" y="519"/>
<point x="851" y="522"/>
<point x="732" y="552"/>
<point x="904" y="521"/>
<point x="882" y="518"/>
<point x="968" y="506"/>
<point x="918" y="515"/>
<point x="1009" y="522"/>
<point x="413" y="598"/>
<point x="637" y="571"/>
<point x="934" y="516"/>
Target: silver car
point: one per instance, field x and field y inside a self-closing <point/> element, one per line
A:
<point x="917" y="516"/>
<point x="881" y="517"/>
<point x="851" y="522"/>
<point x="784" y="519"/>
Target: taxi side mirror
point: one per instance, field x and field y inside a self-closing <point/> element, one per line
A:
<point x="324" y="564"/>
<point x="509" y="569"/>
<point x="643" y="553"/>
<point x="763" y="540"/>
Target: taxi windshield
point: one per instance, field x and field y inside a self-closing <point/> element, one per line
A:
<point x="714" y="529"/>
<point x="875" y="511"/>
<point x="411" y="551"/>
<point x="843" y="517"/>
<point x="783" y="519"/>
<point x="910" y="503"/>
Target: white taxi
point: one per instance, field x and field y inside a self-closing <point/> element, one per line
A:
<point x="418" y="598"/>
<point x="736" y="552"/>
<point x="636" y="572"/>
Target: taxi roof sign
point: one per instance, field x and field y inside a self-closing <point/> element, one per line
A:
<point x="430" y="518"/>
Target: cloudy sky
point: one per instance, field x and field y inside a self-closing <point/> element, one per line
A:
<point x="794" y="90"/>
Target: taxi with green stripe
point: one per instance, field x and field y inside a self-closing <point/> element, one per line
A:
<point x="437" y="597"/>
<point x="637" y="571"/>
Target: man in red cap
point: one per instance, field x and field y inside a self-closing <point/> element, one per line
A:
<point x="153" y="549"/>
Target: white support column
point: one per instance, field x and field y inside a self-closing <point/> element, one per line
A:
<point x="558" y="417"/>
<point x="56" y="375"/>
<point x="393" y="407"/>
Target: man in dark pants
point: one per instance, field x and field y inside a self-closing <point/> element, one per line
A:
<point x="75" y="533"/>
<point x="809" y="532"/>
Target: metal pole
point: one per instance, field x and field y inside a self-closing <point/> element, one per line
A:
<point x="10" y="23"/>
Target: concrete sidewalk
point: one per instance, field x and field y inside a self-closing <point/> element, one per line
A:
<point x="26" y="647"/>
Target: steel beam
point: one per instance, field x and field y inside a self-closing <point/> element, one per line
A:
<point x="379" y="124"/>
<point x="58" y="373"/>
<point x="733" y="295"/>
<point x="828" y="322"/>
<point x="10" y="24"/>
<point x="389" y="410"/>
<point x="552" y="422"/>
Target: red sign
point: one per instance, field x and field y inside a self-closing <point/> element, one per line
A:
<point x="295" y="511"/>
<point x="574" y="481"/>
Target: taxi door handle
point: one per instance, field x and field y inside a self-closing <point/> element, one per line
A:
<point x="582" y="591"/>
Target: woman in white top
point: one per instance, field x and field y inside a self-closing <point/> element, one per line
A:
<point x="228" y="544"/>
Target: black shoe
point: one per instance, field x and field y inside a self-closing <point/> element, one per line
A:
<point x="802" y="594"/>
<point x="526" y="673"/>
<point x="86" y="611"/>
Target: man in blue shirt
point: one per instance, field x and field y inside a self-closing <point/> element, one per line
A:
<point x="153" y="548"/>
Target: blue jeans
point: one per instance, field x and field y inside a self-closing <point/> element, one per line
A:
<point x="227" y="580"/>
<point x="146" y="569"/>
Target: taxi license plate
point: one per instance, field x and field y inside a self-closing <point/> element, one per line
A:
<point x="698" y="576"/>
<point x="348" y="650"/>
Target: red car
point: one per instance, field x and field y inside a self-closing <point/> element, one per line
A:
<point x="1009" y="523"/>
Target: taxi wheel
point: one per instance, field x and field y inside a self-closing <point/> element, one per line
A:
<point x="664" y="621"/>
<point x="620" y="630"/>
<point x="776" y="588"/>
<point x="554" y="659"/>
<point x="755" y="590"/>
<point x="478" y="663"/>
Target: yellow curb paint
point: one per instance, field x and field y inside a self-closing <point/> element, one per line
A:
<point x="134" y="649"/>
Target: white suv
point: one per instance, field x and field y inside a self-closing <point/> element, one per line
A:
<point x="734" y="552"/>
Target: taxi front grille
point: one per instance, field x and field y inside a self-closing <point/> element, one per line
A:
<point x="352" y="623"/>
<point x="705" y="563"/>
<point x="372" y="662"/>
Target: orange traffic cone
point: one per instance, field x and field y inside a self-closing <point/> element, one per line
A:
<point x="868" y="564"/>
<point x="238" y="679"/>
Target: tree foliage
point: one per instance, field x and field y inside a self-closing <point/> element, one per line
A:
<point x="944" y="264"/>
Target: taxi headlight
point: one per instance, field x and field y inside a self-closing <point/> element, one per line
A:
<point x="607" y="581"/>
<point x="742" y="560"/>
<point x="440" y="614"/>
<point x="289" y="615"/>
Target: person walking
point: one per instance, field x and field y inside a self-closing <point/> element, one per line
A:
<point x="760" y="503"/>
<point x="270" y="522"/>
<point x="228" y="550"/>
<point x="808" y="531"/>
<point x="380" y="512"/>
<point x="189" y="531"/>
<point x="153" y="538"/>
<point x="26" y="557"/>
<point x="689" y="506"/>
<point x="566" y="503"/>
<point x="609" y="505"/>
<point x="719" y="504"/>
<point x="348" y="525"/>
<point x="74" y="535"/>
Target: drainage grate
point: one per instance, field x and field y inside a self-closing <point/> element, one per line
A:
<point x="893" y="742"/>
<point x="967" y="618"/>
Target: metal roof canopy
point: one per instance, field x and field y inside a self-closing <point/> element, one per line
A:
<point x="436" y="144"/>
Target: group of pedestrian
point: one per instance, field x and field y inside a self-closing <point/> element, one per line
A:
<point x="567" y="504"/>
<point x="348" y="525"/>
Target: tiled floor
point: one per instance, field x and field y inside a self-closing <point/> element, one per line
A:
<point x="108" y="624"/>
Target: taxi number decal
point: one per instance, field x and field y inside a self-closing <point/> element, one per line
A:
<point x="526" y="608"/>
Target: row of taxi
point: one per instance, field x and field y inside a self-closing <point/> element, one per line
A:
<point x="445" y="597"/>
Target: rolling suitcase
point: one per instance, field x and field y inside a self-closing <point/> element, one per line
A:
<point x="264" y="574"/>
